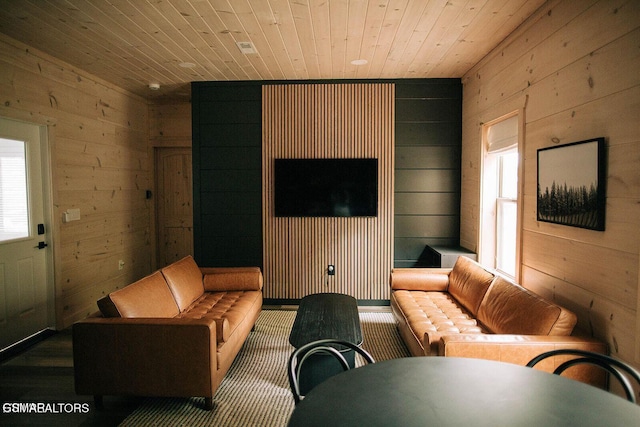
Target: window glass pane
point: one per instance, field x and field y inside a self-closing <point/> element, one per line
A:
<point x="506" y="236"/>
<point x="509" y="175"/>
<point x="14" y="216"/>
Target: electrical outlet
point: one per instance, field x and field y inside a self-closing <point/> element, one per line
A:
<point x="120" y="265"/>
<point x="331" y="270"/>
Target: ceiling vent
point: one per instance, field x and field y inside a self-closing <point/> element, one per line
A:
<point x="246" y="47"/>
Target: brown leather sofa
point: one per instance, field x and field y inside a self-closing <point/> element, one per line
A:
<point x="468" y="311"/>
<point x="173" y="333"/>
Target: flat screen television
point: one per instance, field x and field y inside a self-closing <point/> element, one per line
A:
<point x="325" y="187"/>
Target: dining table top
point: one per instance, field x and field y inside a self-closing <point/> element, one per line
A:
<point x="449" y="391"/>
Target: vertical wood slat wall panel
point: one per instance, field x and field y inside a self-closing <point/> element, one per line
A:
<point x="328" y="121"/>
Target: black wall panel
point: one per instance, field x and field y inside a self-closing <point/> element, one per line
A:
<point x="227" y="171"/>
<point x="227" y="144"/>
<point x="427" y="171"/>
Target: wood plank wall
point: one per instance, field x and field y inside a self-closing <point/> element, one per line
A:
<point x="572" y="69"/>
<point x="100" y="164"/>
<point x="328" y="121"/>
<point x="170" y="124"/>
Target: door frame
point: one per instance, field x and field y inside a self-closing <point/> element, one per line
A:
<point x="47" y="194"/>
<point x="46" y="126"/>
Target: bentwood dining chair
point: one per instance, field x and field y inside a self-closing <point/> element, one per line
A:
<point x="329" y="347"/>
<point x="620" y="370"/>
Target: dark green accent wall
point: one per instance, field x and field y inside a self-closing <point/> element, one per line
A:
<point x="427" y="168"/>
<point x="227" y="144"/>
<point x="227" y="173"/>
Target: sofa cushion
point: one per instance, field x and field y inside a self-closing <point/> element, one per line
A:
<point x="419" y="279"/>
<point x="148" y="297"/>
<point x="185" y="281"/>
<point x="233" y="279"/>
<point x="468" y="283"/>
<point x="228" y="309"/>
<point x="508" y="308"/>
<point x="430" y="315"/>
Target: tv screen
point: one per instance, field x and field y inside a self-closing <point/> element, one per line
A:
<point x="325" y="187"/>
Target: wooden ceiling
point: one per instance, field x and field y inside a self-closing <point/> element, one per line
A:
<point x="132" y="43"/>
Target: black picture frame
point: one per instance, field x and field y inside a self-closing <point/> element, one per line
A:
<point x="571" y="184"/>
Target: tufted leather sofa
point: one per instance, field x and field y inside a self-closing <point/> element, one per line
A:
<point x="468" y="311"/>
<point x="173" y="333"/>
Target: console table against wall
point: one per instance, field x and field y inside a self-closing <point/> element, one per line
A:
<point x="445" y="256"/>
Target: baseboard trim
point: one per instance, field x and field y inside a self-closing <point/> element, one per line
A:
<point x="21" y="346"/>
<point x="294" y="302"/>
<point x="374" y="302"/>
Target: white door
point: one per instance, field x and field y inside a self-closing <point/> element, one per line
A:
<point x="25" y="301"/>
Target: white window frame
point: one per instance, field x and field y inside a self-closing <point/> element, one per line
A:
<point x="502" y="201"/>
<point x="490" y="200"/>
<point x="14" y="191"/>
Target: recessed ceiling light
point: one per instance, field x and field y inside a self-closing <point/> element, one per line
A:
<point x="359" y="62"/>
<point x="246" y="47"/>
<point x="187" y="64"/>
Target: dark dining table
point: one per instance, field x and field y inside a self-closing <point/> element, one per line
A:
<point x="448" y="391"/>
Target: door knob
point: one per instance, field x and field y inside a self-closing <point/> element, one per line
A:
<point x="41" y="245"/>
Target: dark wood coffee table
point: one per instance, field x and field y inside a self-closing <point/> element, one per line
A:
<point x="323" y="316"/>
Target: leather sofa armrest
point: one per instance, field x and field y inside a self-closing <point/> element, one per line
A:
<point x="214" y="270"/>
<point x="218" y="279"/>
<point x="420" y="279"/>
<point x="520" y="349"/>
<point x="142" y="356"/>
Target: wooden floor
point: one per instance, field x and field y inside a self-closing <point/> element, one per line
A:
<point x="44" y="374"/>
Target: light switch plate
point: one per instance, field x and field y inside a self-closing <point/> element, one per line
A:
<point x="72" y="215"/>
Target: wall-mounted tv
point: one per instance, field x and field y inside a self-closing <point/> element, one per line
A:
<point x="325" y="187"/>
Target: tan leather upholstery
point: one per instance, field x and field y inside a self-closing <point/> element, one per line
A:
<point x="144" y="357"/>
<point x="520" y="349"/>
<point x="432" y="315"/>
<point x="227" y="309"/>
<point x="185" y="281"/>
<point x="508" y="308"/>
<point x="148" y="297"/>
<point x="420" y="279"/>
<point x="149" y="341"/>
<point x="468" y="284"/>
<point x="222" y="280"/>
<point x="483" y="315"/>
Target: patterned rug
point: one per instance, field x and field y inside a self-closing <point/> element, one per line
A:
<point x="255" y="391"/>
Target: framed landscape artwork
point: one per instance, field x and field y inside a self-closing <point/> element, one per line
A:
<point x="571" y="184"/>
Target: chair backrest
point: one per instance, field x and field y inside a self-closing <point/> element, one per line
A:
<point x="325" y="346"/>
<point x="615" y="367"/>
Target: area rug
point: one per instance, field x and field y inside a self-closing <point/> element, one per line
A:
<point x="255" y="391"/>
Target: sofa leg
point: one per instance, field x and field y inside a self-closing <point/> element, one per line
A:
<point x="208" y="403"/>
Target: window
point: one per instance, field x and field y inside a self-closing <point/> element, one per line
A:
<point x="14" y="216"/>
<point x="507" y="212"/>
<point x="499" y="223"/>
